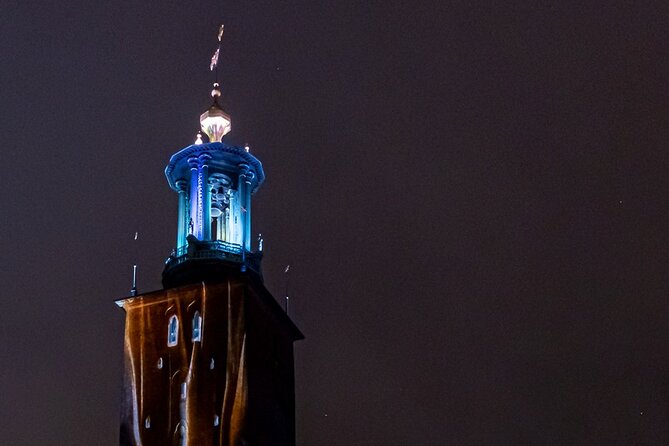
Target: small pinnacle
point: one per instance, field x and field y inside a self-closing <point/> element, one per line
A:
<point x="198" y="139"/>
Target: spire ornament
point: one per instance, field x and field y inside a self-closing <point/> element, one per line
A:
<point x="214" y="58"/>
<point x="215" y="122"/>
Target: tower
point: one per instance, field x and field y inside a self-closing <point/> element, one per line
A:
<point x="209" y="358"/>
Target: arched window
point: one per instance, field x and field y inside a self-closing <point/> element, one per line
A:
<point x="172" y="331"/>
<point x="197" y="327"/>
<point x="180" y="432"/>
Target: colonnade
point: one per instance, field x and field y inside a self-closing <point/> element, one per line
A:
<point x="195" y="201"/>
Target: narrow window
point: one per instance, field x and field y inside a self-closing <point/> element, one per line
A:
<point x="211" y="364"/>
<point x="172" y="331"/>
<point x="217" y="420"/>
<point x="197" y="327"/>
<point x="184" y="389"/>
<point x="147" y="423"/>
<point x="160" y="363"/>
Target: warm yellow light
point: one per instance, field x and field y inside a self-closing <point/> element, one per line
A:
<point x="215" y="123"/>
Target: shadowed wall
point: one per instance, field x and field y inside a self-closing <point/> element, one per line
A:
<point x="228" y="380"/>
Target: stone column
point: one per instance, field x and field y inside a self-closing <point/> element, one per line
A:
<point x="182" y="224"/>
<point x="225" y="216"/>
<point x="203" y="183"/>
<point x="247" y="200"/>
<point x="194" y="198"/>
<point x="230" y="226"/>
<point x="241" y="192"/>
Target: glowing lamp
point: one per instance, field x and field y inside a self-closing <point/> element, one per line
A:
<point x="215" y="122"/>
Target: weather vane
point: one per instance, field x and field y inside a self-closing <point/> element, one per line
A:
<point x="214" y="58"/>
<point x="214" y="122"/>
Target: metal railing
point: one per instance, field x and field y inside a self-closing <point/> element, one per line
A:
<point x="216" y="249"/>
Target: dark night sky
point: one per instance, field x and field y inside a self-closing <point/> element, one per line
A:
<point x="472" y="197"/>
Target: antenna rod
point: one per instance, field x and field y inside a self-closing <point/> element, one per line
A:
<point x="285" y="305"/>
<point x="133" y="290"/>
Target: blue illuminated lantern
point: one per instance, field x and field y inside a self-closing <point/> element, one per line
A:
<point x="215" y="182"/>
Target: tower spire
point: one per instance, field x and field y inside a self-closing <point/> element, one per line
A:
<point x="215" y="122"/>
